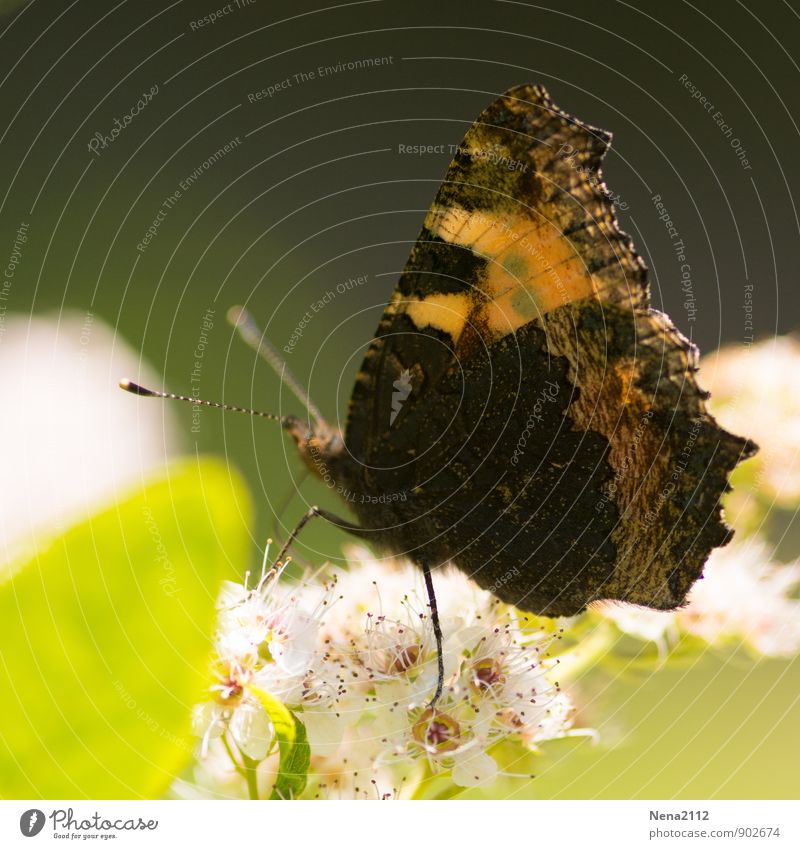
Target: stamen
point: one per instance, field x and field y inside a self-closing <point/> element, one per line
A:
<point x="264" y="570"/>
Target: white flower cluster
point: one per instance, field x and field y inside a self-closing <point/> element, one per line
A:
<point x="359" y="668"/>
<point x="498" y="679"/>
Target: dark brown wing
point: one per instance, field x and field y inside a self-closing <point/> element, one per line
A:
<point x="521" y="280"/>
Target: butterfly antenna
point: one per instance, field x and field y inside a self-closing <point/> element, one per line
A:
<point x="241" y="319"/>
<point x="136" y="389"/>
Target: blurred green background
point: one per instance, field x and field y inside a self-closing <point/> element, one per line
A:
<point x="317" y="191"/>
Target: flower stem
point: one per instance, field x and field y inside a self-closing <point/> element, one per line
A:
<point x="250" y="775"/>
<point x="247" y="769"/>
<point x="236" y="765"/>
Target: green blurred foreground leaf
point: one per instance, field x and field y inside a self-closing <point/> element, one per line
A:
<point x="295" y="753"/>
<point x="106" y="635"/>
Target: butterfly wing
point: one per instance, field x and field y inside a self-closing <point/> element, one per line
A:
<point x="520" y="224"/>
<point x="525" y="412"/>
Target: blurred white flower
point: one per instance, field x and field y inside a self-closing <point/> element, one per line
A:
<point x="72" y="439"/>
<point x="745" y="596"/>
<point x="756" y="391"/>
<point x="657" y="626"/>
<point x="742" y="596"/>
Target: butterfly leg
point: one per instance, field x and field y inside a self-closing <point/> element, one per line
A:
<point x="437" y="629"/>
<point x="350" y="527"/>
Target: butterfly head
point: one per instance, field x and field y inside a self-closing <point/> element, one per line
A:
<point x="319" y="444"/>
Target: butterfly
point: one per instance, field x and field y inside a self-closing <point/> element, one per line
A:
<point x="522" y="412"/>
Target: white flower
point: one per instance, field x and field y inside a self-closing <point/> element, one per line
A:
<point x="473" y="768"/>
<point x="295" y="642"/>
<point x="234" y="710"/>
<point x="269" y="623"/>
<point x="251" y="729"/>
<point x="265" y="641"/>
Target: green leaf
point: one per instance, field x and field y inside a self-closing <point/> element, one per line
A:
<point x="295" y="753"/>
<point x="106" y="637"/>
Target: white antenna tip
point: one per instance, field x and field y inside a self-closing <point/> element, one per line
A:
<point x="135" y="389"/>
<point x="237" y="316"/>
